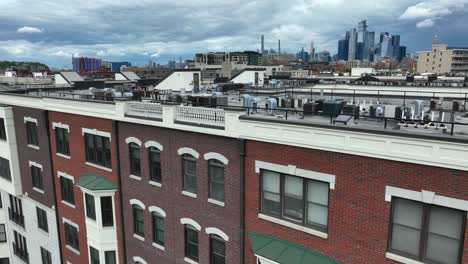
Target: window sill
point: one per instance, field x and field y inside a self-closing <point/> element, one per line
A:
<point x="73" y="250"/>
<point x="68" y="204"/>
<point x="42" y="231"/>
<point x="187" y="260"/>
<point x="293" y="226"/>
<point x="213" y="201"/>
<point x="156" y="245"/>
<point x="189" y="194"/>
<point x="98" y="166"/>
<point x="139" y="237"/>
<point x="33" y="146"/>
<point x="138" y="178"/>
<point x="38" y="190"/>
<point x="157" y="184"/>
<point x="63" y="156"/>
<point x="401" y="259"/>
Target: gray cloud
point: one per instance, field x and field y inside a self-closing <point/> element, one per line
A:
<point x="164" y="29"/>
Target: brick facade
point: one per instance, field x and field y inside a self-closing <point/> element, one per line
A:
<point x="358" y="222"/>
<point x="76" y="167"/>
<point x="172" y="201"/>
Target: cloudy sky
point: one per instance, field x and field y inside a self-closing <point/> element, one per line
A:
<point x="51" y="31"/>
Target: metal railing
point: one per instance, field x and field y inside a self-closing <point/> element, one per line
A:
<point x="21" y="253"/>
<point x="146" y="110"/>
<point x="200" y="115"/>
<point x="16" y="217"/>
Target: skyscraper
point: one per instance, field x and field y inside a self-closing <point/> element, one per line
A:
<point x="262" y="49"/>
<point x="386" y="48"/>
<point x="352" y="45"/>
<point x="343" y="46"/>
<point x="396" y="46"/>
<point x="279" y="46"/>
<point x="369" y="46"/>
<point x="312" y="51"/>
<point x="362" y="31"/>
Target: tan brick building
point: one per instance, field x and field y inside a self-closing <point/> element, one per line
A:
<point x="443" y="59"/>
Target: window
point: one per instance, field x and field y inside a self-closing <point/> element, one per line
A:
<point x="217" y="250"/>
<point x="5" y="169"/>
<point x="158" y="229"/>
<point x="190" y="173"/>
<point x="90" y="207"/>
<point x="15" y="211"/>
<point x="106" y="211"/>
<point x="20" y="248"/>
<point x="36" y="173"/>
<point x="98" y="150"/>
<point x="31" y="133"/>
<point x="110" y="257"/>
<point x="295" y="199"/>
<point x="45" y="256"/>
<point x="216" y="174"/>
<point x="425" y="232"/>
<point x="4" y="261"/>
<point x="135" y="161"/>
<point x="93" y="255"/>
<point x="67" y="190"/>
<point x="62" y="141"/>
<point x="3" y="237"/>
<point x="42" y="219"/>
<point x="71" y="236"/>
<point x="155" y="164"/>
<point x="191" y="243"/>
<point x="138" y="220"/>
<point x="2" y="129"/>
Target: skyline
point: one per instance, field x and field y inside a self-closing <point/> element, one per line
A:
<point x="53" y="31"/>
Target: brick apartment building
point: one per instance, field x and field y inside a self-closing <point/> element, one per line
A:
<point x="135" y="182"/>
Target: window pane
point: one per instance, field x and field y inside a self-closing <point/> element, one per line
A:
<point x="317" y="203"/>
<point x="94" y="255"/>
<point x="445" y="231"/>
<point x="271" y="192"/>
<point x="293" y="197"/>
<point x="190" y="178"/>
<point x="135" y="166"/>
<point x="155" y="165"/>
<point x="90" y="207"/>
<point x="110" y="257"/>
<point x="216" y="180"/>
<point x="317" y="214"/>
<point x="106" y="211"/>
<point x="406" y="230"/>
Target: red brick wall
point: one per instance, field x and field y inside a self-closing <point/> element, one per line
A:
<point x="358" y="214"/>
<point x="170" y="199"/>
<point x="76" y="167"/>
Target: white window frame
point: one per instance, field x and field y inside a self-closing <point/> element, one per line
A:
<point x="96" y="133"/>
<point x="216" y="156"/>
<point x="30" y="119"/>
<point x="133" y="140"/>
<point x="189" y="151"/>
<point x="193" y="223"/>
<point x="60" y="125"/>
<point x="138" y="202"/>
<point x="218" y="232"/>
<point x="151" y="143"/>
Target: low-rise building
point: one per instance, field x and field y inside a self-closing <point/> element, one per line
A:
<point x="443" y="59"/>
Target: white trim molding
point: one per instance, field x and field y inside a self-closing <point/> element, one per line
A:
<point x="189" y="261"/>
<point x="65" y="175"/>
<point x="30" y="119"/>
<point x="70" y="222"/>
<point x="216" y="156"/>
<point x="151" y="143"/>
<point x="293" y="226"/>
<point x="293" y="170"/>
<point x="216" y="231"/>
<point x="189" y="151"/>
<point x="96" y="132"/>
<point x="60" y="125"/>
<point x="139" y="259"/>
<point x="133" y="140"/>
<point x="137" y="202"/>
<point x="35" y="164"/>
<point x="155" y="209"/>
<point x="188" y="221"/>
<point x="265" y="260"/>
<point x="425" y="197"/>
<point x="401" y="259"/>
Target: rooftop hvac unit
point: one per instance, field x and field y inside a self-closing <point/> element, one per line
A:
<point x="380" y="111"/>
<point x="332" y="108"/>
<point x="271" y="105"/>
<point x="351" y="110"/>
<point x="310" y="108"/>
<point x="247" y="100"/>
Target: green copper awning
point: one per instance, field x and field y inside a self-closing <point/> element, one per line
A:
<point x="94" y="182"/>
<point x="285" y="252"/>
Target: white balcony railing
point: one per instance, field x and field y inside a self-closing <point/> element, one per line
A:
<point x="199" y="115"/>
<point x="146" y="110"/>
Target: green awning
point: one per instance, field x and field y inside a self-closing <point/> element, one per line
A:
<point x="94" y="182"/>
<point x="285" y="252"/>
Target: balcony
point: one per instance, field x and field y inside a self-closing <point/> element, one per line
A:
<point x="15" y="217"/>
<point x="20" y="253"/>
<point x="201" y="116"/>
<point x="145" y="110"/>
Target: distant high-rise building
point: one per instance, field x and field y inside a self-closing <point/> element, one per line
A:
<point x="262" y="50"/>
<point x="116" y="66"/>
<point x="352" y="45"/>
<point x="303" y="55"/>
<point x="369" y="46"/>
<point x="343" y="46"/>
<point x="86" y="64"/>
<point x="362" y="31"/>
<point x="396" y="46"/>
<point x="382" y="34"/>
<point x="279" y="46"/>
<point x="402" y="53"/>
<point x="386" y="48"/>
<point x="312" y="52"/>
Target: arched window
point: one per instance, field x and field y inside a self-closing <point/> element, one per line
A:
<point x="191" y="243"/>
<point x="189" y="165"/>
<point x="138" y="220"/>
<point x="155" y="164"/>
<point x="216" y="179"/>
<point x="217" y="250"/>
<point x="135" y="161"/>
